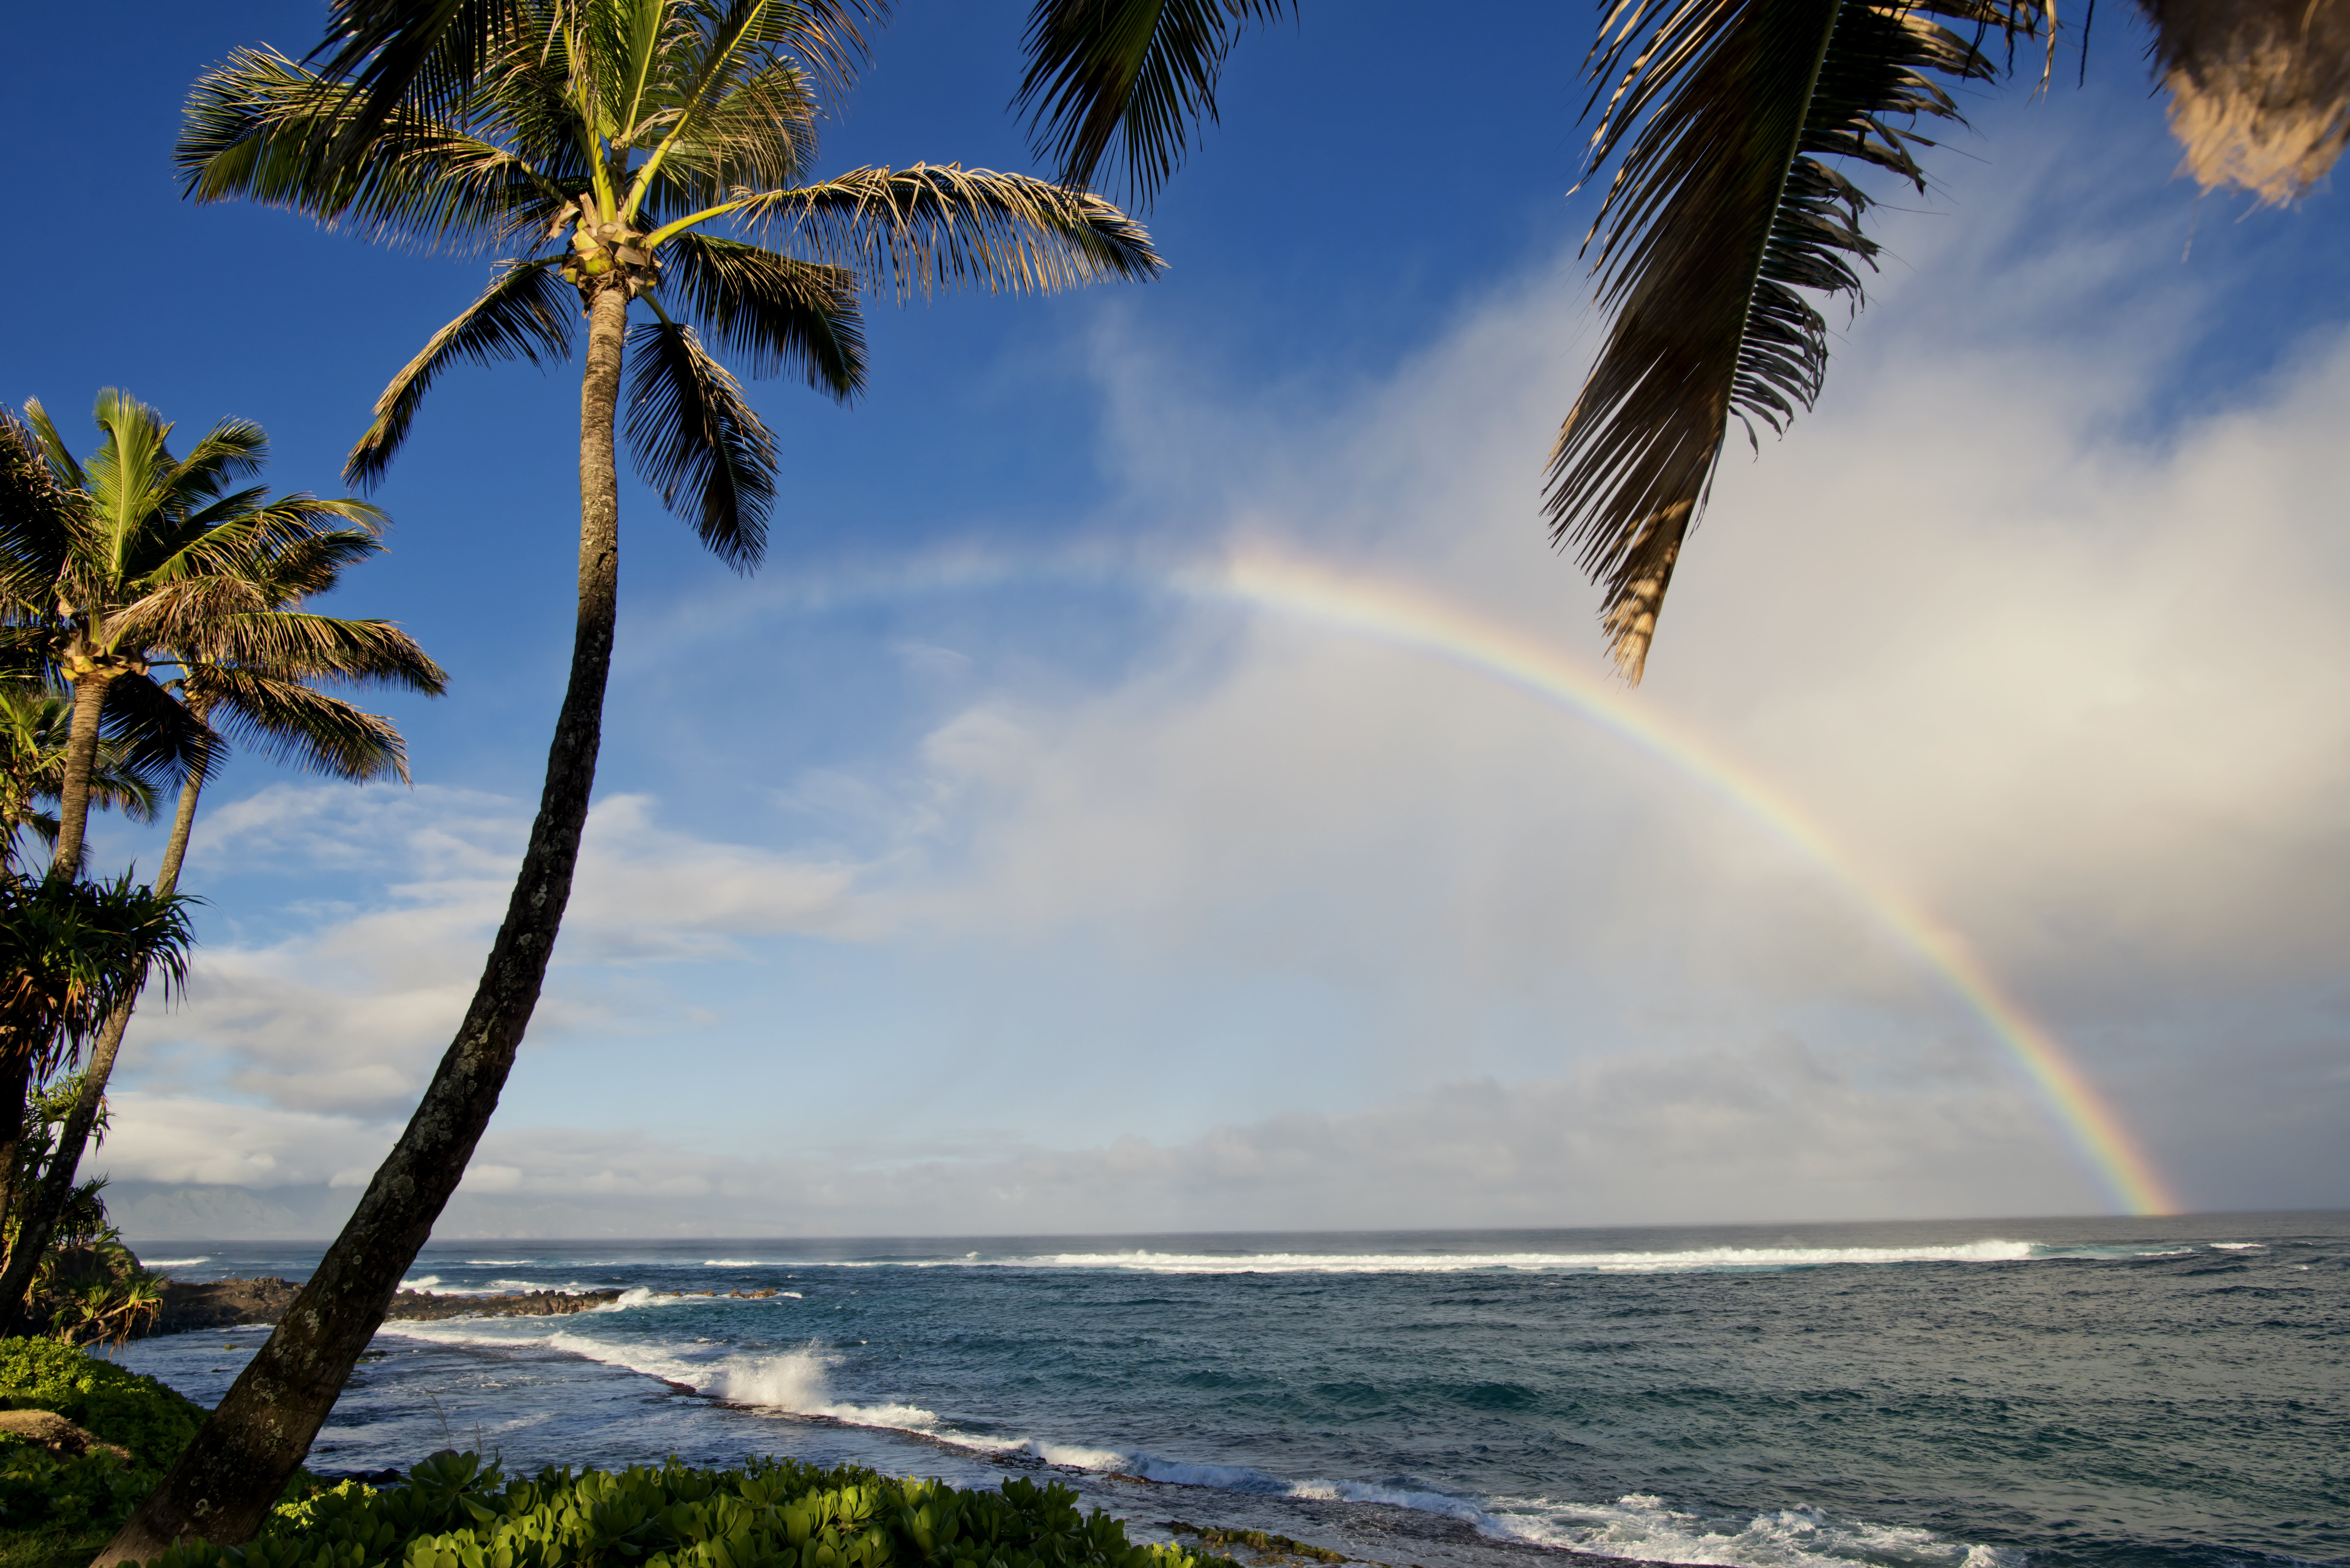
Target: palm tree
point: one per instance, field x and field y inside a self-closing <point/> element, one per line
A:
<point x="249" y="672"/>
<point x="605" y="141"/>
<point x="149" y="558"/>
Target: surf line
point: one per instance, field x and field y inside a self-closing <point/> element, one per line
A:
<point x="1421" y="623"/>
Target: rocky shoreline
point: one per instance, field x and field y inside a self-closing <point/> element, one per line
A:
<point x="231" y="1303"/>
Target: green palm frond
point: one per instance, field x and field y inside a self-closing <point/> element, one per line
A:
<point x="772" y="312"/>
<point x="1134" y="75"/>
<point x="1721" y="214"/>
<point x="38" y="519"/>
<point x="253" y="129"/>
<point x="524" y="314"/>
<point x="430" y="54"/>
<point x="694" y="437"/>
<point x="431" y="57"/>
<point x="291" y="722"/>
<point x="931" y="226"/>
<point x="322" y="647"/>
<point x="154" y="734"/>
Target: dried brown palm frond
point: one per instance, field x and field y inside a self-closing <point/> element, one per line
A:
<point x="1722" y="214"/>
<point x="2259" y="89"/>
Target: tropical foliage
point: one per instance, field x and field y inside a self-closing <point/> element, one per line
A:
<point x="58" y="1507"/>
<point x="35" y="722"/>
<point x="771" y="1514"/>
<point x="85" y="1285"/>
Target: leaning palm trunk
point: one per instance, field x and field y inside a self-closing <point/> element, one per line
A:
<point x="223" y="1485"/>
<point x="2259" y="89"/>
<point x="81" y="759"/>
<point x="55" y="1190"/>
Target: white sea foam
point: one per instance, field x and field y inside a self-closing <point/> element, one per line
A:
<point x="432" y="1283"/>
<point x="1642" y="1526"/>
<point x="1710" y="1259"/>
<point x="738" y="1263"/>
<point x="174" y="1262"/>
<point x="2238" y="1247"/>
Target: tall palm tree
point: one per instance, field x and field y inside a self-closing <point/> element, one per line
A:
<point x="252" y="674"/>
<point x="605" y="142"/>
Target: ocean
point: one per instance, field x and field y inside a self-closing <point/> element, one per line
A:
<point x="2054" y="1393"/>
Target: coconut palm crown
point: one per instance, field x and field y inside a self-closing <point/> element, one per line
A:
<point x="601" y="146"/>
<point x="149" y="563"/>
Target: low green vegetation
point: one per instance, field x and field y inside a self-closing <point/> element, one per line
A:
<point x="458" y="1511"/>
<point x="455" y="1511"/>
<point x="57" y="1508"/>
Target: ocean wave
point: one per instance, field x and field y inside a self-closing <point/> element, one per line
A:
<point x="2240" y="1247"/>
<point x="174" y="1262"/>
<point x="796" y="1382"/>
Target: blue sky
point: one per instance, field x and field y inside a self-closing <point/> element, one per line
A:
<point x="958" y="872"/>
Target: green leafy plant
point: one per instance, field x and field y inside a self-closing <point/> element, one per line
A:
<point x="457" y="1511"/>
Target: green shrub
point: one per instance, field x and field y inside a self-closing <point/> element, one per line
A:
<point x="457" y="1512"/>
<point x="113" y="1404"/>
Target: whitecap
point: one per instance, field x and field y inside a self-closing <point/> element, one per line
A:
<point x="174" y="1263"/>
<point x="1705" y="1259"/>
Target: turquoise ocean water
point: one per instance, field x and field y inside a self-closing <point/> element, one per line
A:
<point x="1978" y="1394"/>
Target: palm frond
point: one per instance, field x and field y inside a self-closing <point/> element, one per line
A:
<point x="288" y="722"/>
<point x="37" y="520"/>
<point x="524" y="314"/>
<point x="694" y="437"/>
<point x="931" y="226"/>
<point x="154" y="733"/>
<point x="772" y="312"/>
<point x="428" y="54"/>
<point x="257" y="129"/>
<point x="290" y="643"/>
<point x="1720" y="213"/>
<point x="1137" y="75"/>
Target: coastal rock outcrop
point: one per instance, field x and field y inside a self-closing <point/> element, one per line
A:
<point x="226" y="1304"/>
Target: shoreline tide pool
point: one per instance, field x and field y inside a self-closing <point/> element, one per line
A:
<point x="2108" y="1393"/>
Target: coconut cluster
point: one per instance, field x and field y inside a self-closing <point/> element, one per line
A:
<point x="603" y="250"/>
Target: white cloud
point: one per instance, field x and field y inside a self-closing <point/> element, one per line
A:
<point x="350" y="1012"/>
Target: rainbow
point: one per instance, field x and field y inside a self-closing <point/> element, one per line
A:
<point x="1409" y="619"/>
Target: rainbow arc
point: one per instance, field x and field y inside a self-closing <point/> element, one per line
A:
<point x="1410" y="618"/>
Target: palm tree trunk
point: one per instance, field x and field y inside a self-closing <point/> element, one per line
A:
<point x="223" y="1485"/>
<point x="15" y="1077"/>
<point x="81" y="759"/>
<point x="73" y="1137"/>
